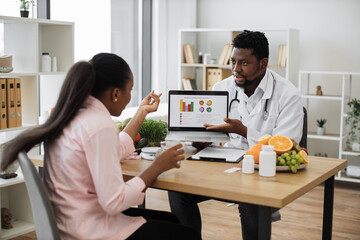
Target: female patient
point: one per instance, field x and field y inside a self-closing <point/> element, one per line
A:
<point x="83" y="150"/>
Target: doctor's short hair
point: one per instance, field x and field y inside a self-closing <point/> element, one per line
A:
<point x="253" y="40"/>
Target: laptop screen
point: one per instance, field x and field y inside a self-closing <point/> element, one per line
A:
<point x="189" y="110"/>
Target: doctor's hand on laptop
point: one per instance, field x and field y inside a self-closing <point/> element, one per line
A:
<point x="230" y="126"/>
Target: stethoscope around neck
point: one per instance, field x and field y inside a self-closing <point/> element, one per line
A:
<point x="266" y="113"/>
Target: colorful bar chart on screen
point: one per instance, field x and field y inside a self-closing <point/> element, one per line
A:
<point x="186" y="107"/>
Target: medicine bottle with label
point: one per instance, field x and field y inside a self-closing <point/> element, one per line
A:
<point x="267" y="161"/>
<point x="45" y="62"/>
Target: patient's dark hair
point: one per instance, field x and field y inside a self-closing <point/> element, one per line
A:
<point x="103" y="71"/>
<point x="255" y="41"/>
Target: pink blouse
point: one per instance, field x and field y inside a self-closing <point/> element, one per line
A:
<point x="84" y="179"/>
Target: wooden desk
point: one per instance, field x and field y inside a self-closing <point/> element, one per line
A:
<point x="209" y="179"/>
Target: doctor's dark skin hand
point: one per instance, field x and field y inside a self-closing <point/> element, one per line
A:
<point x="248" y="72"/>
<point x="230" y="126"/>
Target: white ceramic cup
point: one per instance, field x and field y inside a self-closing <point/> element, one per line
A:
<point x="168" y="144"/>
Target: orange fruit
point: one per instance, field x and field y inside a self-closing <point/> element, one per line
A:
<point x="281" y="144"/>
<point x="264" y="139"/>
<point x="255" y="151"/>
<point x="304" y="156"/>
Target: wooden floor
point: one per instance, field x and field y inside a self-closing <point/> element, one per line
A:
<point x="301" y="220"/>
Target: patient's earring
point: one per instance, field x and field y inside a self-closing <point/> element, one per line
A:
<point x="115" y="100"/>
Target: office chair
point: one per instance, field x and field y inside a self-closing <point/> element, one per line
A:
<point x="303" y="141"/>
<point x="42" y="210"/>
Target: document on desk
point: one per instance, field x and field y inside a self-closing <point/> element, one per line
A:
<point x="219" y="154"/>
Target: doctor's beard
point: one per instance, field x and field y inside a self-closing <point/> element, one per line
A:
<point x="245" y="84"/>
<point x="257" y="77"/>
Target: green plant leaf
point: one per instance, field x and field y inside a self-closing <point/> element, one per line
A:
<point x="154" y="131"/>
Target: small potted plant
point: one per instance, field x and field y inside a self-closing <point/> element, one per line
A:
<point x="24" y="7"/>
<point x="352" y="122"/>
<point x="320" y="126"/>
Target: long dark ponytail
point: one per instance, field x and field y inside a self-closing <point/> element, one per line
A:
<point x="77" y="85"/>
<point x="83" y="79"/>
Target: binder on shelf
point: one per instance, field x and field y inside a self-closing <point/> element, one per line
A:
<point x="221" y="74"/>
<point x="10" y="103"/>
<point x="3" y="109"/>
<point x="18" y="113"/>
<point x="209" y="78"/>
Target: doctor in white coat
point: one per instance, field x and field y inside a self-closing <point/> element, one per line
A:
<point x="274" y="108"/>
<point x="262" y="102"/>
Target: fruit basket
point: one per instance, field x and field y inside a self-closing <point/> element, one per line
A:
<point x="290" y="156"/>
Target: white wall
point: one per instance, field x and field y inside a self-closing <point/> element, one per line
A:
<point x="92" y="24"/>
<point x="124" y="39"/>
<point x="329" y="40"/>
<point x="329" y="29"/>
<point x="168" y="17"/>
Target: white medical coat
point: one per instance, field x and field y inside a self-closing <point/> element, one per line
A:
<point x="285" y="110"/>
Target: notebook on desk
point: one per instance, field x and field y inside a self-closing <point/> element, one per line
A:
<point x="190" y="110"/>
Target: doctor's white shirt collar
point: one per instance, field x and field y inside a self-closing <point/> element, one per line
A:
<point x="263" y="91"/>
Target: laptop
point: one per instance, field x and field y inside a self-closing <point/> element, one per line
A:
<point x="189" y="110"/>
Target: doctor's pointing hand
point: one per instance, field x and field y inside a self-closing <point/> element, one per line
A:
<point x="230" y="126"/>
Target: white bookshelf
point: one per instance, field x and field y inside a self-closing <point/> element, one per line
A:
<point x="343" y="82"/>
<point x="25" y="39"/>
<point x="13" y="195"/>
<point x="212" y="40"/>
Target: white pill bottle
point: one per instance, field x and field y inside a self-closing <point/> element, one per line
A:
<point x="267" y="161"/>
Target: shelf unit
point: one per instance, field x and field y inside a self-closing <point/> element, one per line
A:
<point x="342" y="88"/>
<point x="212" y="40"/>
<point x="25" y="39"/>
<point x="13" y="195"/>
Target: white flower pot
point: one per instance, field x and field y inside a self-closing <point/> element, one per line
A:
<point x="320" y="131"/>
<point x="355" y="147"/>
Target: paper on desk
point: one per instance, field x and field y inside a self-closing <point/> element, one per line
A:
<point x="230" y="154"/>
<point x="232" y="170"/>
